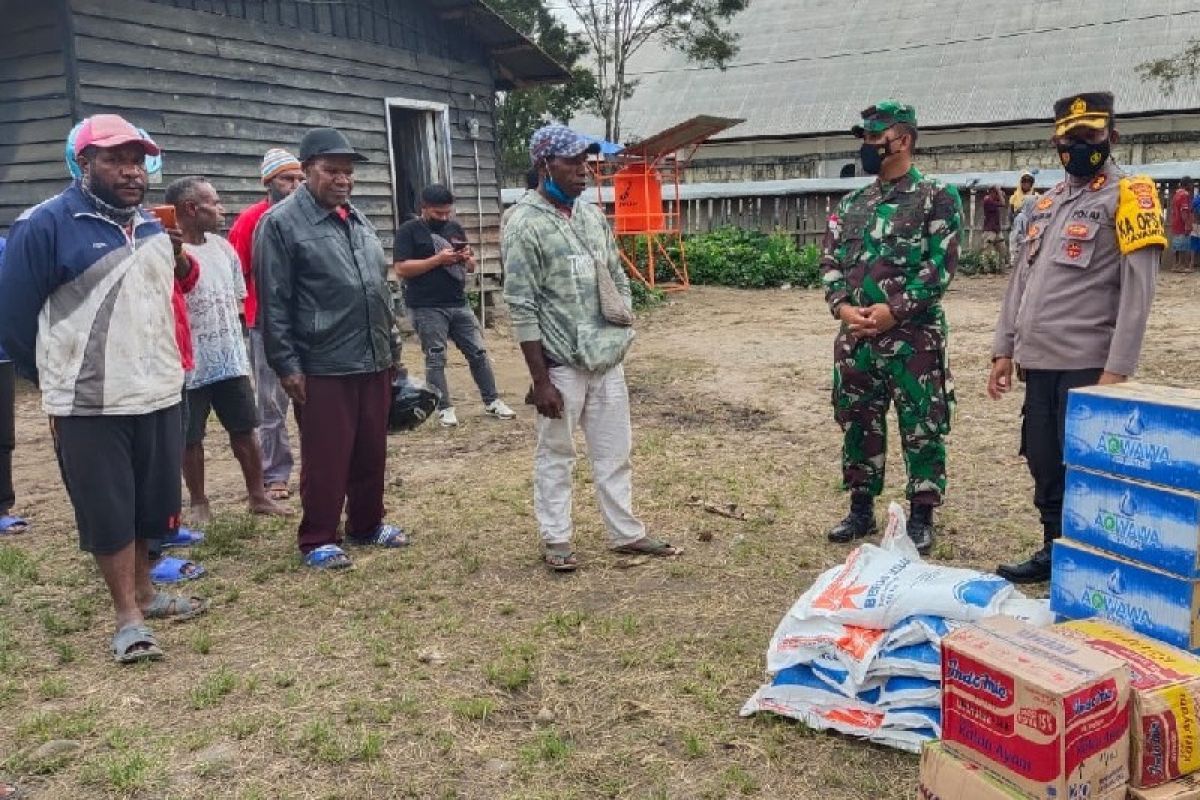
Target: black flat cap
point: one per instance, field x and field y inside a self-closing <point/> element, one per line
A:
<point x="327" y="142"/>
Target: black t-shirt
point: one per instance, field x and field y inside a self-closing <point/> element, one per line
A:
<point x="437" y="288"/>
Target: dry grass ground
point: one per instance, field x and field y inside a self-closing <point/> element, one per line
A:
<point x="461" y="669"/>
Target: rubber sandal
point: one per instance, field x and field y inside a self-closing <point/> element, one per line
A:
<point x="12" y="526"/>
<point x="125" y="645"/>
<point x="560" y="558"/>
<point x="184" y="537"/>
<point x="278" y="491"/>
<point x="168" y="606"/>
<point x="328" y="556"/>
<point x="170" y="570"/>
<point x="646" y="546"/>
<point x="384" y="536"/>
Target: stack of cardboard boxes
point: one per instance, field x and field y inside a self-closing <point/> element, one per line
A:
<point x="1130" y="551"/>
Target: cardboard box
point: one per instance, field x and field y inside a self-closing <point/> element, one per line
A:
<point x="1088" y="583"/>
<point x="945" y="776"/>
<point x="1151" y="524"/>
<point x="1151" y="433"/>
<point x="1042" y="710"/>
<point x="1164" y="726"/>
<point x="1183" y="789"/>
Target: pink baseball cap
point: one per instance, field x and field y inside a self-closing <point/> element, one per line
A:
<point x="111" y="130"/>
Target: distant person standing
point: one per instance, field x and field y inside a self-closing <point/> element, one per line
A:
<point x="1024" y="189"/>
<point x="1181" y="227"/>
<point x="433" y="258"/>
<point x="327" y="317"/>
<point x="993" y="239"/>
<point x="1078" y="300"/>
<point x="220" y="379"/>
<point x="889" y="254"/>
<point x="281" y="174"/>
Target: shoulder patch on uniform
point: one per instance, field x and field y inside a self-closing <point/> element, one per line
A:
<point x="1139" y="215"/>
<point x="1044" y="203"/>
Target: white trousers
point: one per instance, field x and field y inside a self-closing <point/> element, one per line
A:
<point x="597" y="402"/>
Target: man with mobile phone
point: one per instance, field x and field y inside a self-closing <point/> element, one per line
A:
<point x="432" y="257"/>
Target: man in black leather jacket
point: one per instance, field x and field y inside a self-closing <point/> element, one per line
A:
<point x="326" y="315"/>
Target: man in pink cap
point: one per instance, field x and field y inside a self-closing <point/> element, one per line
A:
<point x="85" y="312"/>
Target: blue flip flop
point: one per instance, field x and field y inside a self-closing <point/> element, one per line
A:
<point x="184" y="537"/>
<point x="328" y="556"/>
<point x="175" y="570"/>
<point x="383" y="536"/>
<point x="8" y="522"/>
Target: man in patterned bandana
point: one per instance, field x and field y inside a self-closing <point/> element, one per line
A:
<point x="889" y="253"/>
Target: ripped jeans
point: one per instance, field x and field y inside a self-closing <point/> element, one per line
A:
<point x="435" y="327"/>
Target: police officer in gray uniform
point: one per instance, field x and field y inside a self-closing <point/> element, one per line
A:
<point x="1077" y="303"/>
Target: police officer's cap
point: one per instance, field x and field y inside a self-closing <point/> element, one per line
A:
<point x="1084" y="110"/>
<point x="883" y="115"/>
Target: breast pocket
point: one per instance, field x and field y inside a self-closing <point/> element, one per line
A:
<point x="1077" y="244"/>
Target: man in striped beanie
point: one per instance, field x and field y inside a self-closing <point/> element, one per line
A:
<point x="281" y="174"/>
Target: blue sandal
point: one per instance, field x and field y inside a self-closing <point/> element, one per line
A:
<point x="184" y="537"/>
<point x="175" y="570"/>
<point x="328" y="556"/>
<point x="12" y="525"/>
<point x="383" y="536"/>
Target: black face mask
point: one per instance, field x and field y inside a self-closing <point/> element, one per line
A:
<point x="1083" y="159"/>
<point x="873" y="155"/>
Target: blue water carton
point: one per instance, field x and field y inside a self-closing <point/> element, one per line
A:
<point x="1090" y="583"/>
<point x="1151" y="524"/>
<point x="1150" y="433"/>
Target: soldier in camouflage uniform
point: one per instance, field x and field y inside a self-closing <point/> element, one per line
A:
<point x="889" y="254"/>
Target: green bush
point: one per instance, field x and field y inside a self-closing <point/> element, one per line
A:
<point x="749" y="259"/>
<point x="980" y="262"/>
<point x="644" y="297"/>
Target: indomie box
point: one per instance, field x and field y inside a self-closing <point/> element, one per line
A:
<point x="1151" y="433"/>
<point x="1044" y="711"/>
<point x="1186" y="788"/>
<point x="1088" y="583"/>
<point x="1164" y="727"/>
<point x="945" y="776"/>
<point x="1151" y="524"/>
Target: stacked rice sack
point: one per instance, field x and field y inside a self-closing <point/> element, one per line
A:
<point x="859" y="652"/>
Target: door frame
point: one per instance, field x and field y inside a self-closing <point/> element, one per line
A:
<point x="441" y="112"/>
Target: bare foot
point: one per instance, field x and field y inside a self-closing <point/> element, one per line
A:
<point x="199" y="513"/>
<point x="268" y="507"/>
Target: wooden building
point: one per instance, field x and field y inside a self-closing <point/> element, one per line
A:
<point x="412" y="84"/>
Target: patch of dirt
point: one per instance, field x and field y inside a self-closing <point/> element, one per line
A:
<point x="316" y="685"/>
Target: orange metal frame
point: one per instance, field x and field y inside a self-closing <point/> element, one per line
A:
<point x="659" y="235"/>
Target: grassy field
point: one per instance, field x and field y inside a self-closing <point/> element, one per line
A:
<point x="459" y="668"/>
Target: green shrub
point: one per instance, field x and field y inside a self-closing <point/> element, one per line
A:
<point x="749" y="259"/>
<point x="980" y="262"/>
<point x="644" y="297"/>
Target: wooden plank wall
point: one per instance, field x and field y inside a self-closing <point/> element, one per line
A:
<point x="35" y="111"/>
<point x="217" y="91"/>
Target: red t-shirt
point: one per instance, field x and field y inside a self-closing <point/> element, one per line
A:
<point x="1181" y="212"/>
<point x="241" y="236"/>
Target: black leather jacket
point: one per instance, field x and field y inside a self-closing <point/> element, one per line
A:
<point x="323" y="299"/>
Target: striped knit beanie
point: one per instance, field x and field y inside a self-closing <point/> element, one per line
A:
<point x="276" y="161"/>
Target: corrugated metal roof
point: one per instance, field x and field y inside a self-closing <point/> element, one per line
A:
<point x="809" y="66"/>
<point x="1043" y="179"/>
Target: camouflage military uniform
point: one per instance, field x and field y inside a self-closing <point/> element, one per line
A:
<point x="894" y="243"/>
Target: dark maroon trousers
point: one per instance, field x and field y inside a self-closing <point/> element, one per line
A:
<point x="343" y="455"/>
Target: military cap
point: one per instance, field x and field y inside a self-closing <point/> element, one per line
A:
<point x="883" y="115"/>
<point x="1086" y="110"/>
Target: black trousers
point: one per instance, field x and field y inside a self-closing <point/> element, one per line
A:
<point x="8" y="435"/>
<point x="1043" y="430"/>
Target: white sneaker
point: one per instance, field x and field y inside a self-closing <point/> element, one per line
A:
<point x="499" y="410"/>
<point x="447" y="418"/>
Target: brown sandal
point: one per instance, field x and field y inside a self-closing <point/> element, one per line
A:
<point x="559" y="558"/>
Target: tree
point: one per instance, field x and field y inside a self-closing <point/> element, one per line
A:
<point x="522" y="111"/>
<point x="1168" y="72"/>
<point x="617" y="29"/>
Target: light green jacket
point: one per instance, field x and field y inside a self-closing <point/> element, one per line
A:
<point x="550" y="265"/>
